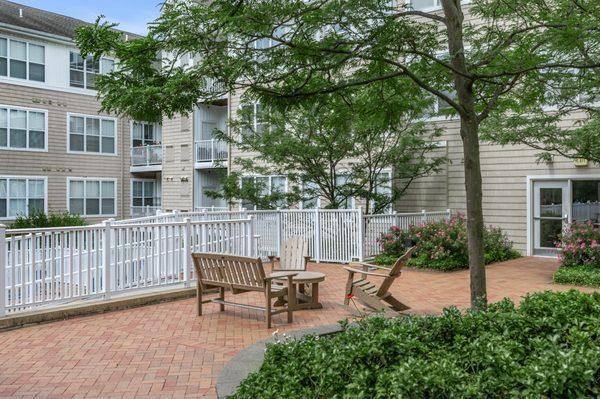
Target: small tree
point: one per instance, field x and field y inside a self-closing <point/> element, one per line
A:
<point x="284" y="51"/>
<point x="345" y="145"/>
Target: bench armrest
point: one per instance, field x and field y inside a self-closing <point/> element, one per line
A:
<point x="364" y="272"/>
<point x="370" y="265"/>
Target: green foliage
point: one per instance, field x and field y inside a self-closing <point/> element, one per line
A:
<point x="385" y="259"/>
<point x="442" y="245"/>
<point x="579" y="256"/>
<point x="40" y="219"/>
<point x="586" y="275"/>
<point x="549" y="347"/>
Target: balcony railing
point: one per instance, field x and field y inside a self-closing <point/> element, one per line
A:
<point x="146" y="155"/>
<point x="140" y="211"/>
<point x="211" y="150"/>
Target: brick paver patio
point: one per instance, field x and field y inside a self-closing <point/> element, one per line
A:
<point x="166" y="351"/>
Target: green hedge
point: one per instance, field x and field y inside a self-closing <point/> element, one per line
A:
<point x="40" y="220"/>
<point x="442" y="245"/>
<point x="578" y="275"/>
<point x="549" y="347"/>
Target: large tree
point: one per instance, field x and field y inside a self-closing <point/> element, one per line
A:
<point x="361" y="143"/>
<point x="286" y="51"/>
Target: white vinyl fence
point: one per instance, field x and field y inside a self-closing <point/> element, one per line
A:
<point x="45" y="267"/>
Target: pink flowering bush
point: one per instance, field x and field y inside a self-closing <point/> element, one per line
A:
<point x="580" y="246"/>
<point x="442" y="245"/>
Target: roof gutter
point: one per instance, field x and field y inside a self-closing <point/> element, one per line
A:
<point x="36" y="33"/>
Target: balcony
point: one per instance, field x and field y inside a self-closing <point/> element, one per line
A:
<point x="147" y="158"/>
<point x="211" y="153"/>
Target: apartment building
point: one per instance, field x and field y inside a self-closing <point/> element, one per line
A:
<point x="58" y="152"/>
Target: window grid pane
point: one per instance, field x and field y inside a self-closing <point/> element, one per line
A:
<point x="18" y="196"/>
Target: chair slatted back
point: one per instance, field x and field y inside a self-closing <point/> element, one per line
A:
<point x="394" y="272"/>
<point x="293" y="251"/>
<point x="237" y="272"/>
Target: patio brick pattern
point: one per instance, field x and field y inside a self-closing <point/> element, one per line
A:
<point x="165" y="351"/>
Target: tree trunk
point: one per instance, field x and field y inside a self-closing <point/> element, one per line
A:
<point x="469" y="131"/>
<point x="475" y="226"/>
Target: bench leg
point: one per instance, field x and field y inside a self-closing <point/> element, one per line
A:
<point x="268" y="304"/>
<point x="291" y="305"/>
<point x="222" y="297"/>
<point x="199" y="297"/>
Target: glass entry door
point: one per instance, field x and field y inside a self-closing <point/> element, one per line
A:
<point x="550" y="215"/>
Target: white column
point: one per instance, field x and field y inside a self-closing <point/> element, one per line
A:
<point x="187" y="250"/>
<point x="3" y="266"/>
<point x="107" y="257"/>
<point x="317" y="237"/>
<point x="361" y="234"/>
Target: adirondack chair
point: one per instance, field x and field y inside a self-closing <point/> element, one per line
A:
<point x="240" y="274"/>
<point x="293" y="255"/>
<point x="373" y="297"/>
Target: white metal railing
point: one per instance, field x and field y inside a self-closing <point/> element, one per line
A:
<point x="211" y="150"/>
<point x="147" y="210"/>
<point x="332" y="235"/>
<point x="146" y="155"/>
<point x="48" y="267"/>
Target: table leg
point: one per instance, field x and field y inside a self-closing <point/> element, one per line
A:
<point x="301" y="288"/>
<point x="315" y="296"/>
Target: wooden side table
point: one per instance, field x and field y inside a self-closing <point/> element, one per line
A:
<point x="304" y="300"/>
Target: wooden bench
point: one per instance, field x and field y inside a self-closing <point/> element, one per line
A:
<point x="240" y="274"/>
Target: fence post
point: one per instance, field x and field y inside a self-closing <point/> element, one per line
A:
<point x="361" y="234"/>
<point x="3" y="267"/>
<point x="250" y="237"/>
<point x="187" y="250"/>
<point x="448" y="214"/>
<point x="107" y="257"/>
<point x="317" y="237"/>
<point x="423" y="216"/>
<point x="278" y="232"/>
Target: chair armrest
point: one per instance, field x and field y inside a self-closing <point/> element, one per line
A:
<point x="364" y="272"/>
<point x="281" y="275"/>
<point x="371" y="265"/>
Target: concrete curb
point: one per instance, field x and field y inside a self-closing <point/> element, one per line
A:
<point x="93" y="307"/>
<point x="251" y="358"/>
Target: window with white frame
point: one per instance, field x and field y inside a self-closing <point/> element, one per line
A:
<point x="347" y="202"/>
<point x="253" y="119"/>
<point x="143" y="133"/>
<point x="310" y="198"/>
<point x="83" y="72"/>
<point x="145" y="193"/>
<point x="22" y="128"/>
<point x="21" y="195"/>
<point x="92" y="197"/>
<point x="429" y="5"/>
<point x="22" y="60"/>
<point x="383" y="188"/>
<point x="269" y="185"/>
<point x="92" y="134"/>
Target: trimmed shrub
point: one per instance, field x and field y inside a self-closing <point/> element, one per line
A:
<point x="40" y="220"/>
<point x="442" y="245"/>
<point x="549" y="347"/>
<point x="579" y="256"/>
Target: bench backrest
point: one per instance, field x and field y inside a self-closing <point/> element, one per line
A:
<point x="236" y="272"/>
<point x="293" y="251"/>
<point x="394" y="272"/>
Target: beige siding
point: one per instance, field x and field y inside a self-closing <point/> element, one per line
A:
<point x="178" y="163"/>
<point x="57" y="164"/>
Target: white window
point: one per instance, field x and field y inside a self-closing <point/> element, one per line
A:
<point x="22" y="129"/>
<point x="145" y="193"/>
<point x="310" y="198"/>
<point x="21" y="195"/>
<point x="92" y="134"/>
<point x="143" y="133"/>
<point x="83" y="72"/>
<point x="269" y="185"/>
<point x="253" y="119"/>
<point x="384" y="188"/>
<point x="22" y="60"/>
<point x="92" y="197"/>
<point x="428" y="5"/>
<point x="347" y="202"/>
